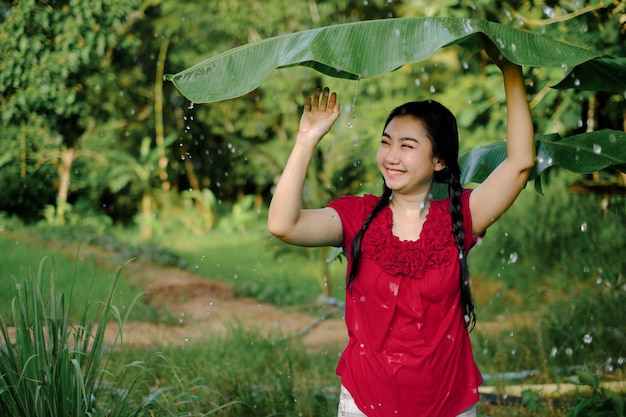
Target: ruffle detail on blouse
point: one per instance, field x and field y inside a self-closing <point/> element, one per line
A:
<point x="435" y="247"/>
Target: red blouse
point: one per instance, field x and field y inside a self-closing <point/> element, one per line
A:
<point x="409" y="351"/>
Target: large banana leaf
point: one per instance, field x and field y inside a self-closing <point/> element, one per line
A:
<point x="376" y="47"/>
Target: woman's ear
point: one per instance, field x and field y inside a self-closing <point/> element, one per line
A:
<point x="439" y="164"/>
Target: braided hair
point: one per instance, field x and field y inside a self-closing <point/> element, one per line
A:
<point x="441" y="128"/>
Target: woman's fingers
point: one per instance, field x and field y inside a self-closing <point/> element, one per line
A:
<point x="321" y="100"/>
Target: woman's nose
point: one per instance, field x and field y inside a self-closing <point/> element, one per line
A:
<point x="392" y="154"/>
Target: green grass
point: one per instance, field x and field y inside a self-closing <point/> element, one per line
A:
<point x="245" y="374"/>
<point x="78" y="278"/>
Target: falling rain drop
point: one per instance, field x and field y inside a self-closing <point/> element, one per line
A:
<point x="587" y="338"/>
<point x="513" y="258"/>
<point x="583" y="227"/>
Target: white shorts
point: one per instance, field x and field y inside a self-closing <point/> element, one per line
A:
<point x="347" y="407"/>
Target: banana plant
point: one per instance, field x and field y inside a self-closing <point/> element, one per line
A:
<point x="376" y="47"/>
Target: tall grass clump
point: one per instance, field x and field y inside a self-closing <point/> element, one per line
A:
<point x="245" y="373"/>
<point x="52" y="367"/>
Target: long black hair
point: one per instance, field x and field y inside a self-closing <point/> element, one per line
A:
<point x="441" y="128"/>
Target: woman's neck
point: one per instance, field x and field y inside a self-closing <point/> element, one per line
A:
<point x="414" y="205"/>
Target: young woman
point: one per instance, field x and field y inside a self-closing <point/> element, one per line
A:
<point x="408" y="301"/>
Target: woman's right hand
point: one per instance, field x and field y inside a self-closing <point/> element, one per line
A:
<point x="320" y="113"/>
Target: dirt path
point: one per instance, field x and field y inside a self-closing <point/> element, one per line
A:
<point x="204" y="307"/>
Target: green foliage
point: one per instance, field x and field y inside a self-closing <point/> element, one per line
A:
<point x="238" y="147"/>
<point x="601" y="402"/>
<point x="570" y="235"/>
<point x="586" y="329"/>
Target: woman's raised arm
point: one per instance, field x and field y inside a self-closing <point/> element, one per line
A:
<point x="286" y="218"/>
<point x="496" y="194"/>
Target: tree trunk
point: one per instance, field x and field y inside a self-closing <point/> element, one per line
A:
<point x="146" y="216"/>
<point x="158" y="115"/>
<point x="65" y="170"/>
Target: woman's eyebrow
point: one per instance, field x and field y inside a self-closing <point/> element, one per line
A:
<point x="404" y="138"/>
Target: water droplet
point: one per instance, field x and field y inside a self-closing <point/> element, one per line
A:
<point x="569" y="351"/>
<point x="577" y="82"/>
<point x="597" y="149"/>
<point x="553" y="352"/>
<point x="583" y="227"/>
<point x="587" y="338"/>
<point x="432" y="89"/>
<point x="548" y="11"/>
<point x="513" y="258"/>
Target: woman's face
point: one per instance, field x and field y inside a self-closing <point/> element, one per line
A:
<point x="405" y="156"/>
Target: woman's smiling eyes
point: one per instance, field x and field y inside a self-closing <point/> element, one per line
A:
<point x="405" y="142"/>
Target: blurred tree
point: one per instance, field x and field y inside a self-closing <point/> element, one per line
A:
<point x="55" y="58"/>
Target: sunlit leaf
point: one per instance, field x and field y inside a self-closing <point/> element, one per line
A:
<point x="376" y="47"/>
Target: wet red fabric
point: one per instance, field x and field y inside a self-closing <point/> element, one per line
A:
<point x="409" y="351"/>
